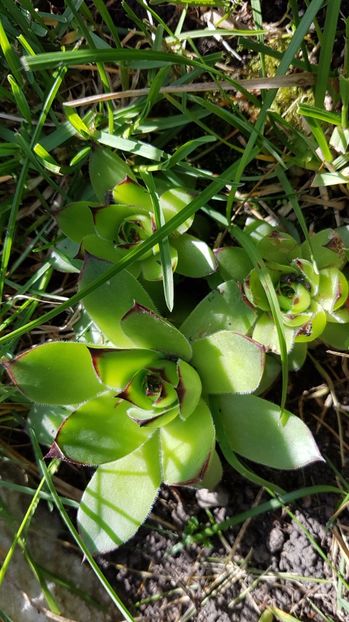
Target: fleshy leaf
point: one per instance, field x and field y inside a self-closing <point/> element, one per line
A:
<point x="265" y="332"/>
<point x="109" y="220"/>
<point x="117" y="367"/>
<point x="195" y="258"/>
<point x="45" y="421"/>
<point x="224" y="308"/>
<point x="100" y="431"/>
<point x="152" y="268"/>
<point x="76" y="220"/>
<point x="105" y="250"/>
<point x="131" y="193"/>
<point x="336" y="336"/>
<point x="272" y="369"/>
<point x="234" y="263"/>
<point x="186" y="447"/>
<point x="255" y="291"/>
<point x="228" y="362"/>
<point x="314" y="327"/>
<point x="213" y="474"/>
<point x="333" y="289"/>
<point x="106" y="169"/>
<point x="188" y="389"/>
<point x="277" y="246"/>
<point x="252" y="426"/>
<point x="119" y="498"/>
<point x="328" y="248"/>
<point x="55" y="373"/>
<point x="107" y="304"/>
<point x="173" y="201"/>
<point x="146" y="329"/>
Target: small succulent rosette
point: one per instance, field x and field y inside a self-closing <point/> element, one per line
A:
<point x="310" y="282"/>
<point x="143" y="406"/>
<point x="109" y="231"/>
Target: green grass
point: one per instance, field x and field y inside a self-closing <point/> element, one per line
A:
<point x="224" y="141"/>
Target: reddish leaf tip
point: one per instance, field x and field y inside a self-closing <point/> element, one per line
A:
<point x="55" y="452"/>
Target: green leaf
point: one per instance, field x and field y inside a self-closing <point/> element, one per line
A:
<point x="234" y="263"/>
<point x="152" y="269"/>
<point x="116" y="368"/>
<point x="106" y="169"/>
<point x="100" y="431"/>
<point x="76" y="121"/>
<point x="55" y="373"/>
<point x="186" y="447"/>
<point x="336" y="336"/>
<point x="195" y="258"/>
<point x="224" y="308"/>
<point x="188" y="389"/>
<point x="104" y="250"/>
<point x="45" y="421"/>
<point x="76" y="220"/>
<point x="333" y="289"/>
<point x="172" y="202"/>
<point x="146" y="329"/>
<point x="253" y="429"/>
<point x="130" y="193"/>
<point x="107" y="304"/>
<point x="277" y="246"/>
<point x="328" y="249"/>
<point x="265" y="332"/>
<point x="214" y="473"/>
<point x="119" y="498"/>
<point x="228" y="362"/>
<point x="314" y="327"/>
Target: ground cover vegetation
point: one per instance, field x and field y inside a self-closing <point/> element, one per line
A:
<point x="174" y="316"/>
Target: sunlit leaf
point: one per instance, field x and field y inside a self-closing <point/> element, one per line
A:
<point x="55" y="373"/>
<point x="106" y="169"/>
<point x="108" y="303"/>
<point x="146" y="329"/>
<point x="100" y="431"/>
<point x="265" y="332"/>
<point x="119" y="498"/>
<point x="188" y="389"/>
<point x="116" y="368"/>
<point x="186" y="447"/>
<point x="195" y="258"/>
<point x="228" y="362"/>
<point x="253" y="428"/>
<point x="223" y="309"/>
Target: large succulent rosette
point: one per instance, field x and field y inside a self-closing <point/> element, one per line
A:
<point x="143" y="402"/>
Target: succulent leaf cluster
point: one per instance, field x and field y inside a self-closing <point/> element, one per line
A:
<point x="145" y="404"/>
<point x="310" y="280"/>
<point x="126" y="218"/>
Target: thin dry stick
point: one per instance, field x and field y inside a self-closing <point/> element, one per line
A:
<point x="296" y="79"/>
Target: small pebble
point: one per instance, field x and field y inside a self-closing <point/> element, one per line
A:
<point x="276" y="540"/>
<point x="212" y="498"/>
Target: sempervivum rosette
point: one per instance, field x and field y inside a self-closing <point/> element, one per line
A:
<point x="124" y="217"/>
<point x="142" y="403"/>
<point x="310" y="283"/>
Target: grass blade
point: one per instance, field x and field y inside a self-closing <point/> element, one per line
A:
<point x="165" y="252"/>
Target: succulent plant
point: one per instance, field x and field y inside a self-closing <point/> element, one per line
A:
<point x="143" y="405"/>
<point x="310" y="283"/>
<point x="109" y="230"/>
